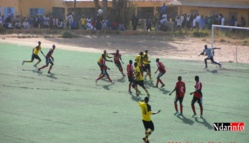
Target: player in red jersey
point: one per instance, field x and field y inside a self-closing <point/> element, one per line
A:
<point x="197" y="96"/>
<point x="180" y="89"/>
<point x="103" y="69"/>
<point x="162" y="70"/>
<point x="117" y="58"/>
<point x="49" y="59"/>
<point x="130" y="74"/>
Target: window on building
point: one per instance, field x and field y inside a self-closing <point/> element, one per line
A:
<point x="36" y="11"/>
<point x="9" y="11"/>
<point x="231" y="18"/>
<point x="194" y="12"/>
<point x="248" y="19"/>
<point x="214" y="12"/>
<point x="145" y="12"/>
<point x="87" y="12"/>
<point x="58" y="12"/>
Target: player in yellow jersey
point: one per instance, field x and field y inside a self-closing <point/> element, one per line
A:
<point x="139" y="80"/>
<point x="146" y="112"/>
<point x="35" y="53"/>
<point x="146" y="63"/>
<point x="106" y="56"/>
<point x="139" y="60"/>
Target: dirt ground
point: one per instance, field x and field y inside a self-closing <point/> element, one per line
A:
<point x="158" y="46"/>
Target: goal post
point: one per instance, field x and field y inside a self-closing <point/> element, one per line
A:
<point x="226" y="27"/>
<point x="223" y="26"/>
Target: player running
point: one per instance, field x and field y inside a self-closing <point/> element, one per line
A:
<point x="117" y="58"/>
<point x="197" y="96"/>
<point x="49" y="60"/>
<point x="105" y="57"/>
<point x="162" y="70"/>
<point x="146" y="63"/>
<point x="180" y="92"/>
<point x="210" y="53"/>
<point x="146" y="112"/>
<point x="35" y="55"/>
<point x="103" y="69"/>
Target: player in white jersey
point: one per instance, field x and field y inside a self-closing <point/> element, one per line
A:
<point x="210" y="53"/>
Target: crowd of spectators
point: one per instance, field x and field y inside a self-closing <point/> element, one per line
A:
<point x="196" y="21"/>
<point x="96" y="23"/>
<point x="38" y="21"/>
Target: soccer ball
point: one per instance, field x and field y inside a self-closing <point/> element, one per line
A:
<point x="100" y="11"/>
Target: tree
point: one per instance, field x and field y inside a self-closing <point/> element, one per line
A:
<point x="105" y="8"/>
<point x="96" y="3"/>
<point x="118" y="11"/>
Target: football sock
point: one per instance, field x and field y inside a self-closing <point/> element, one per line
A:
<point x="50" y="68"/>
<point x="181" y="107"/>
<point x="100" y="77"/>
<point x="201" y="109"/>
<point x="193" y="108"/>
<point x="160" y="81"/>
<point x="37" y="63"/>
<point x="121" y="70"/>
<point x="43" y="67"/>
<point x="109" y="79"/>
<point x="130" y="87"/>
<point x="150" y="76"/>
<point x="146" y="90"/>
<point x="176" y="107"/>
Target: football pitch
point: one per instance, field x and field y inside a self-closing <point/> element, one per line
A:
<point x="68" y="107"/>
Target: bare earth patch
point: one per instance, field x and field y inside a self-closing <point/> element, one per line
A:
<point x="158" y="46"/>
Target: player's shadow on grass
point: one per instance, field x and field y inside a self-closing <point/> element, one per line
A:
<point x="148" y="83"/>
<point x="121" y="79"/>
<point x="107" y="87"/>
<point x="185" y="120"/>
<point x="134" y="97"/>
<point x="164" y="90"/>
<point x="213" y="71"/>
<point x="52" y="76"/>
<point x="204" y="122"/>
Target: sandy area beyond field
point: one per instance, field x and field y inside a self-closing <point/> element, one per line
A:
<point x="158" y="46"/>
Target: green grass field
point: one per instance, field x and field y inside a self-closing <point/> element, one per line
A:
<point x="68" y="107"/>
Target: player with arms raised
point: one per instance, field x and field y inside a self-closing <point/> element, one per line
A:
<point x="105" y="57"/>
<point x="117" y="59"/>
<point x="103" y="69"/>
<point x="210" y="53"/>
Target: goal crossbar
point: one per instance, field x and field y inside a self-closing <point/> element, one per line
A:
<point x="222" y="26"/>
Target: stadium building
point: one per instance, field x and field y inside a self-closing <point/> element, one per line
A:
<point x="143" y="8"/>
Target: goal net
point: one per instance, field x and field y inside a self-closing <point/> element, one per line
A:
<point x="234" y="40"/>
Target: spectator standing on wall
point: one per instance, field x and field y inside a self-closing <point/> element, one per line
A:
<point x="134" y="22"/>
<point x="148" y="24"/>
<point x="243" y="22"/>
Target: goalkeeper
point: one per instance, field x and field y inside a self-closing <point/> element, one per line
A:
<point x="210" y="53"/>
